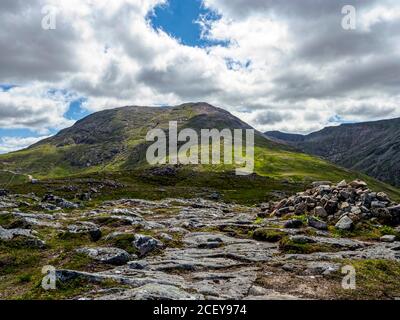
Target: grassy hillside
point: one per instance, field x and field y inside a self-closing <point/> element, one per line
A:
<point x="111" y="144"/>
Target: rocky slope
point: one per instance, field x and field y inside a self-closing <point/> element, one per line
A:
<point x="370" y="147"/>
<point x="294" y="248"/>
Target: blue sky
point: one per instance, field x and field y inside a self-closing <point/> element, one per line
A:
<point x="6" y="86"/>
<point x="179" y="19"/>
<point x="75" y="111"/>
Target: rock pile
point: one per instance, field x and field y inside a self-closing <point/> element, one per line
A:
<point x="343" y="205"/>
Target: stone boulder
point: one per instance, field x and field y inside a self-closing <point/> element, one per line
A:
<point x="146" y="244"/>
<point x="317" y="224"/>
<point x="293" y="224"/>
<point x="320" y="212"/>
<point x="358" y="184"/>
<point x="345" y="223"/>
<point x="388" y="238"/>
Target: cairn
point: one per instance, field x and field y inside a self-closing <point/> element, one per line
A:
<point x="342" y="205"/>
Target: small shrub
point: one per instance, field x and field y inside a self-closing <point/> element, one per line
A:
<point x="24" y="278"/>
<point x="124" y="241"/>
<point x="268" y="235"/>
<point x="288" y="246"/>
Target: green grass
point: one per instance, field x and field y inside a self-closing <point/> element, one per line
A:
<point x="268" y="235"/>
<point x="288" y="246"/>
<point x="8" y="178"/>
<point x="66" y="290"/>
<point x="365" y="231"/>
<point x="124" y="241"/>
<point x="117" y="147"/>
<point x="375" y="279"/>
<point x="188" y="182"/>
<point x="20" y="267"/>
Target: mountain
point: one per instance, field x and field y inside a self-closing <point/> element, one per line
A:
<point x="369" y="147"/>
<point x="111" y="144"/>
<point x="112" y="139"/>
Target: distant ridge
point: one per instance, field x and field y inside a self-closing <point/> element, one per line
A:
<point x="370" y="147"/>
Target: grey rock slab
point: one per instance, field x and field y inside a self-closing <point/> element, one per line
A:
<point x="5" y="205"/>
<point x="272" y="295"/>
<point x="341" y="242"/>
<point x="42" y="216"/>
<point x="40" y="219"/>
<point x="9" y="234"/>
<point x="125" y="211"/>
<point x="249" y="252"/>
<point x="106" y="255"/>
<point x="65" y="204"/>
<point x="85" y="228"/>
<point x="124" y="275"/>
<point x="322" y="268"/>
<point x="201" y="239"/>
<point x="317" y="184"/>
<point x="190" y="259"/>
<point x="335" y="242"/>
<point x="151" y="225"/>
<point x="41" y="223"/>
<point x="235" y="252"/>
<point x="224" y="285"/>
<point x="257" y="291"/>
<point x="29" y="239"/>
<point x="153" y="292"/>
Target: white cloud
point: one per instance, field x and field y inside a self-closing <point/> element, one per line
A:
<point x="33" y="107"/>
<point x="9" y="144"/>
<point x="288" y="66"/>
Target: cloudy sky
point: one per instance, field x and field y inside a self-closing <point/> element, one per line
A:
<point x="279" y="65"/>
